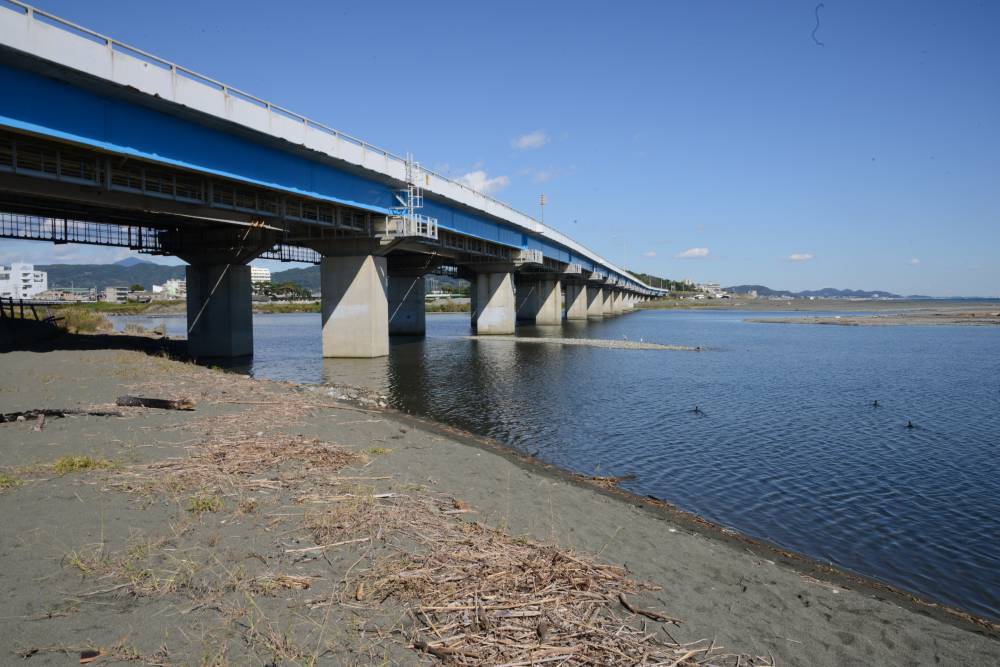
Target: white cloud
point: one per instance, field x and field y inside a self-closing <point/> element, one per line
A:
<point x="800" y="256"/>
<point x="543" y="175"/>
<point x="530" y="141"/>
<point x="478" y="180"/>
<point x="649" y="253"/>
<point x="693" y="253"/>
<point x="914" y="261"/>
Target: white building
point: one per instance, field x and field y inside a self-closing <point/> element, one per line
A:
<point x="173" y="288"/>
<point x="259" y="275"/>
<point x="21" y="281"/>
<point x="714" y="290"/>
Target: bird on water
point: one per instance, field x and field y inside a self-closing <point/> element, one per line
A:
<point x="909" y="424"/>
<point x="875" y="404"/>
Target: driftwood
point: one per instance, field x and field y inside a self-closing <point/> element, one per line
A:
<point x="41" y="413"/>
<point x="656" y="616"/>
<point x="160" y="403"/>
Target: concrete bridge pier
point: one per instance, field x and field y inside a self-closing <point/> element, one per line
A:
<point x="219" y="313"/>
<point x="609" y="301"/>
<point x="406" y="294"/>
<point x="354" y="306"/>
<point x="616" y="302"/>
<point x="576" y="301"/>
<point x="525" y="299"/>
<point x="595" y="302"/>
<point x="539" y="299"/>
<point x="493" y="306"/>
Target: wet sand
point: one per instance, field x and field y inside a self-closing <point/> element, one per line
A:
<point x="727" y="589"/>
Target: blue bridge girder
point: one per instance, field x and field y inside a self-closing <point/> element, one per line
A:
<point x="124" y="111"/>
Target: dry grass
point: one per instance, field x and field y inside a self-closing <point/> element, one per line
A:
<point x="456" y="591"/>
<point x="81" y="320"/>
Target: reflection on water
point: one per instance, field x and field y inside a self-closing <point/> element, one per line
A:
<point x="788" y="448"/>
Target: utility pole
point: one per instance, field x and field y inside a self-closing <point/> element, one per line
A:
<point x="541" y="203"/>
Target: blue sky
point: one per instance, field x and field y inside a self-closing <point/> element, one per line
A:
<point x="710" y="140"/>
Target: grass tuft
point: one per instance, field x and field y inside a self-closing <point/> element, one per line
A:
<point x="68" y="464"/>
<point x="9" y="481"/>
<point x="202" y="504"/>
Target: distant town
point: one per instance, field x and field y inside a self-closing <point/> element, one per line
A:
<point x="96" y="282"/>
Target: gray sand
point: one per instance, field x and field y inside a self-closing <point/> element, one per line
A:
<point x="741" y="595"/>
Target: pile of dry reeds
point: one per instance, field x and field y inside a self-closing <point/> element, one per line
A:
<point x="469" y="594"/>
<point x="478" y="596"/>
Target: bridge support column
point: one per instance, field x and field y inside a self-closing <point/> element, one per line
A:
<point x="595" y="302"/>
<point x="525" y="299"/>
<point x="576" y="301"/>
<point x="609" y="301"/>
<point x="549" y="302"/>
<point x="407" y="305"/>
<point x="219" y="317"/>
<point x="616" y="302"/>
<point x="493" y="309"/>
<point x="355" y="306"/>
<point x="539" y="300"/>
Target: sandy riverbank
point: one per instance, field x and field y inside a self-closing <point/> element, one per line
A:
<point x="921" y="317"/>
<point x="204" y="537"/>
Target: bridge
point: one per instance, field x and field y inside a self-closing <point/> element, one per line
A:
<point x="103" y="143"/>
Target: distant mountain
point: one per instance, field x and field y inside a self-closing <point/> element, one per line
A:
<point x="307" y="277"/>
<point x="100" y="276"/>
<point x="133" y="271"/>
<point x="760" y="289"/>
<point x="133" y="261"/>
<point x="825" y="293"/>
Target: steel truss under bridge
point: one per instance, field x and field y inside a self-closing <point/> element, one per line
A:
<point x="135" y="237"/>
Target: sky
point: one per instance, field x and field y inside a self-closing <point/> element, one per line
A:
<point x="850" y="144"/>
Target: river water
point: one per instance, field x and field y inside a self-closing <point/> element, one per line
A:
<point x="787" y="445"/>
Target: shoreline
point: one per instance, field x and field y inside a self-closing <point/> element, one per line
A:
<point x="799" y="562"/>
<point x="702" y="566"/>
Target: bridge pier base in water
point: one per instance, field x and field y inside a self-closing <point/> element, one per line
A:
<point x="539" y="299"/>
<point x="493" y="307"/>
<point x="355" y="306"/>
<point x="576" y="301"/>
<point x="407" y="305"/>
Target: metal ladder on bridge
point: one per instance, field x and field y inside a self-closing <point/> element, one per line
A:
<point x="406" y="222"/>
